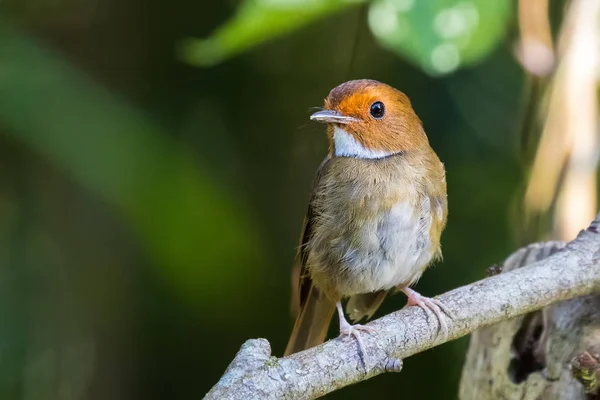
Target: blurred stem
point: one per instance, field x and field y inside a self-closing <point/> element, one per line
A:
<point x="568" y="144"/>
<point x="577" y="200"/>
<point x="535" y="88"/>
<point x="535" y="50"/>
<point x="362" y="13"/>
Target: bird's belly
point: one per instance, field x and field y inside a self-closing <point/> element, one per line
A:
<point x="389" y="249"/>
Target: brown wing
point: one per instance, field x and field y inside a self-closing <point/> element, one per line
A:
<point x="301" y="282"/>
<point x="312" y="309"/>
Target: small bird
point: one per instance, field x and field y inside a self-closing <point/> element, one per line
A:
<point x="375" y="216"/>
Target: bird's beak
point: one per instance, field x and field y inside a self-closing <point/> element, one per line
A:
<point x="331" y="117"/>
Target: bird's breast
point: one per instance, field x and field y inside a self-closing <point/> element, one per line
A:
<point x="373" y="226"/>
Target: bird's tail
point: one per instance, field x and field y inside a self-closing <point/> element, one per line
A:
<point x="311" y="323"/>
<point x="364" y="305"/>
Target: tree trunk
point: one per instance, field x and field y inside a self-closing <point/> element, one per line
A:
<point x="548" y="354"/>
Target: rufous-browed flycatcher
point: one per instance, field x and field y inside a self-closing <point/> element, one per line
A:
<point x="375" y="216"/>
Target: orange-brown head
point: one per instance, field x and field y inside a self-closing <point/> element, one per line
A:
<point x="370" y="119"/>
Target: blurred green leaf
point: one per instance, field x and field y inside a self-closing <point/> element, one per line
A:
<point x="440" y="35"/>
<point x="201" y="238"/>
<point x="255" y="22"/>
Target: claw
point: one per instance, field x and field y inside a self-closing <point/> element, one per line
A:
<point x="354" y="330"/>
<point x="429" y="305"/>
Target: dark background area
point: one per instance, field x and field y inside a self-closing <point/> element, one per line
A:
<point x="150" y="209"/>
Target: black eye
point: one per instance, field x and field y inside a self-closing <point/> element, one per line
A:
<point x="377" y="110"/>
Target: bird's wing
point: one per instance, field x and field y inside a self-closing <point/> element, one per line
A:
<point x="311" y="308"/>
<point x="301" y="282"/>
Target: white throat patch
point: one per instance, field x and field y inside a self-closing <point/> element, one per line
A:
<point x="347" y="146"/>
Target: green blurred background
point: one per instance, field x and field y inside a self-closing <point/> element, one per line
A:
<point x="153" y="185"/>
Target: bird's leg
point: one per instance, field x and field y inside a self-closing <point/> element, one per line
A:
<point x="429" y="305"/>
<point x="347" y="329"/>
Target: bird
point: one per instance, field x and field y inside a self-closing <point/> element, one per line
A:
<point x="375" y="216"/>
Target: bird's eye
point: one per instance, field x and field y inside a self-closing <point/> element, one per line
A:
<point x="377" y="110"/>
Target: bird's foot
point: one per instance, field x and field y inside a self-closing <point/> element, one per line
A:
<point x="429" y="305"/>
<point x="354" y="330"/>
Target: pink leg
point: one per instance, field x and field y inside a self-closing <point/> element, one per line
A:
<point x="347" y="329"/>
<point x="429" y="305"/>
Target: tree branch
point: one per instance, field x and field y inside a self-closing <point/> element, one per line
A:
<point x="571" y="272"/>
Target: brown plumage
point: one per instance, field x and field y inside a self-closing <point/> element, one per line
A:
<point x="375" y="216"/>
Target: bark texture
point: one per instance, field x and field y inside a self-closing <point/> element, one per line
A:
<point x="536" y="356"/>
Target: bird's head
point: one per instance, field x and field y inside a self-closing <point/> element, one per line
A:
<point x="369" y="119"/>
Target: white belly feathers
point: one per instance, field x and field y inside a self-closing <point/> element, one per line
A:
<point x="395" y="250"/>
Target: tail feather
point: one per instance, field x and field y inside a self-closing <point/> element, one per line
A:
<point x="310" y="328"/>
<point x="364" y="305"/>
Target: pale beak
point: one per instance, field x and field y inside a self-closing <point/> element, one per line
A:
<point x="331" y="117"/>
